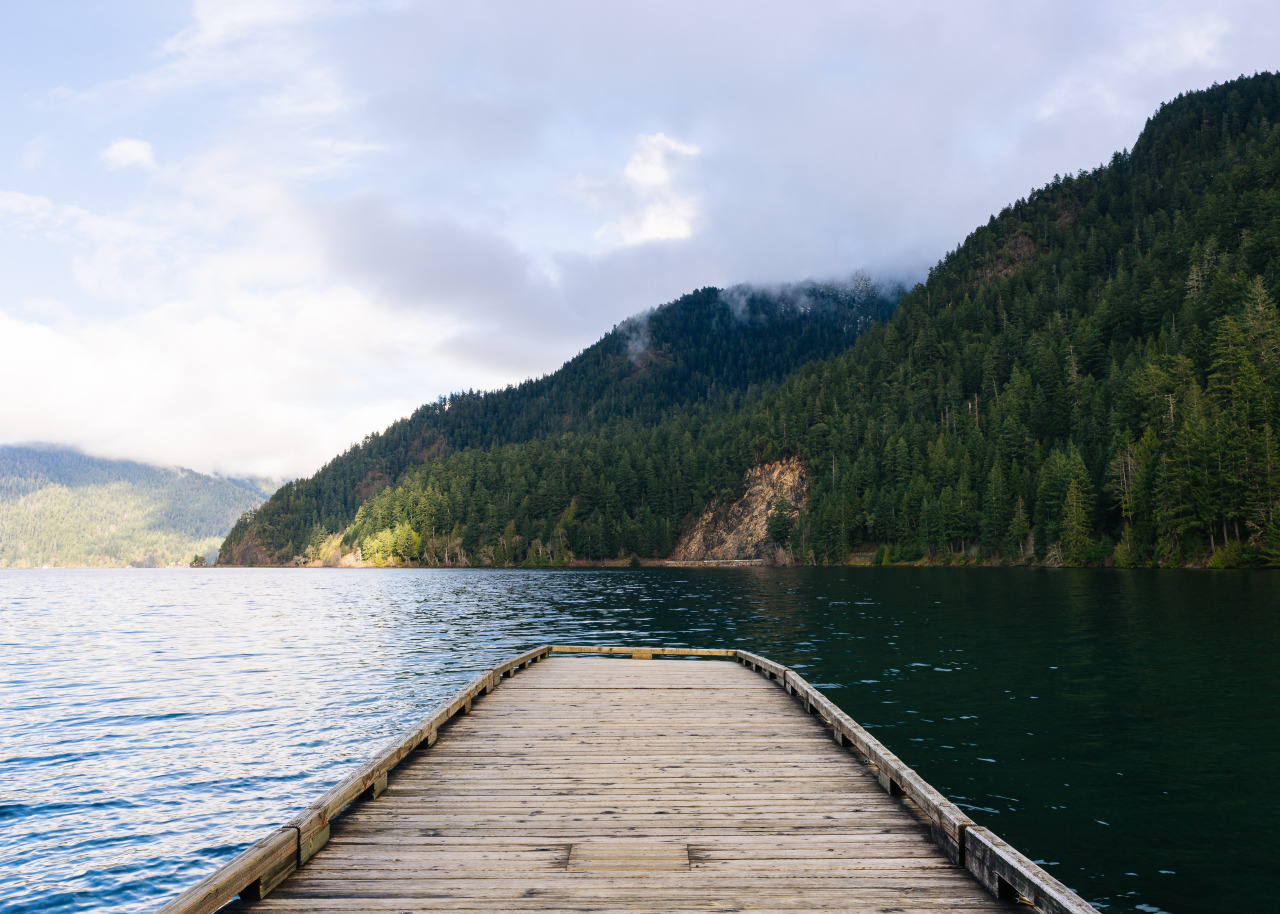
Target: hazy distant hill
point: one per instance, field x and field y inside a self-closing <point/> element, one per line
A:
<point x="63" y="508"/>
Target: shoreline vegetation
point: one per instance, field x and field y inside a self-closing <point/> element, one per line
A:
<point x="869" y="556"/>
<point x="866" y="556"/>
<point x="1092" y="378"/>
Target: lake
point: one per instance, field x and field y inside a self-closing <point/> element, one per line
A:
<point x="1120" y="728"/>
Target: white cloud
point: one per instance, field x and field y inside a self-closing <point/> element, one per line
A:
<point x="34" y="153"/>
<point x="668" y="219"/>
<point x="225" y="332"/>
<point x="1105" y="80"/>
<point x="648" y="168"/>
<point x="221" y="22"/>
<point x="248" y="357"/>
<point x="656" y="206"/>
<point x="45" y="309"/>
<point x="126" y="153"/>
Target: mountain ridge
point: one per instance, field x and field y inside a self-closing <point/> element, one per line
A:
<point x="705" y="352"/>
<point x="1091" y="377"/>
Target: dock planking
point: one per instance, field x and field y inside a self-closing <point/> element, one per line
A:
<point x="589" y="783"/>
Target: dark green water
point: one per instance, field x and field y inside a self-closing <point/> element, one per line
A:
<point x="1122" y="728"/>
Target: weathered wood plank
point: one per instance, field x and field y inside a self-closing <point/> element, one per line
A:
<point x="596" y="782"/>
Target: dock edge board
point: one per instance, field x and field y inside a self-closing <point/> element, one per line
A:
<point x="1003" y="871"/>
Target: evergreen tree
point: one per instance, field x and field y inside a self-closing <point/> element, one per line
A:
<point x="781" y="521"/>
<point x="1019" y="529"/>
<point x="1076" y="543"/>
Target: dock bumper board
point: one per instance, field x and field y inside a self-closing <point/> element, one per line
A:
<point x="762" y="665"/>
<point x="1009" y="875"/>
<point x="253" y="873"/>
<point x="641" y="653"/>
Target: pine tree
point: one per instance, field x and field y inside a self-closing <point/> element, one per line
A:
<point x="1235" y="396"/>
<point x="995" y="508"/>
<point x="1076" y="510"/>
<point x="1124" y="472"/>
<point x="781" y="521"/>
<point x="1262" y="326"/>
<point x="1019" y="528"/>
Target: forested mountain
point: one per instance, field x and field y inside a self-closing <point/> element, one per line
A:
<point x="1093" y="376"/>
<point x="706" y="354"/>
<point x="63" y="508"/>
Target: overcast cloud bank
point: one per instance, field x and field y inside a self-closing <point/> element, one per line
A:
<point x="241" y="235"/>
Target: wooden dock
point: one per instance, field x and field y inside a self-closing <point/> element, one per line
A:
<point x="597" y="783"/>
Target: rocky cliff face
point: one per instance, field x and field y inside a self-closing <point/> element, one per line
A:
<point x="736" y="531"/>
<point x="247" y="551"/>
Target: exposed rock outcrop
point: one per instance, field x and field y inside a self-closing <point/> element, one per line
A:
<point x="248" y="551"/>
<point x="737" y="531"/>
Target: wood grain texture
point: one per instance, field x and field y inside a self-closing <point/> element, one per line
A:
<point x="598" y="783"/>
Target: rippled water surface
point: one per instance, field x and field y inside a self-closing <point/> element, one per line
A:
<point x="1121" y="728"/>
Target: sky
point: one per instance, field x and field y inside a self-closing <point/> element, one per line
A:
<point x="240" y="235"/>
